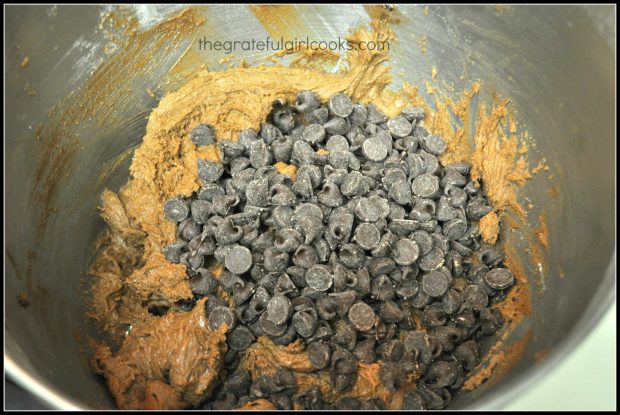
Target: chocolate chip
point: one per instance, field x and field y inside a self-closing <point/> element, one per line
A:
<point x="317" y="116"/>
<point x="337" y="142"/>
<point x="468" y="354"/>
<point x="381" y="266"/>
<point x="319" y="278"/>
<point x="348" y="403"/>
<point x="339" y="228"/>
<point x="238" y="382"/>
<point x="229" y="150"/>
<point x="374" y="149"/>
<point x="310" y="399"/>
<point x="455" y="228"/>
<point x="228" y="233"/>
<point x="263" y="386"/>
<point x="434" y="316"/>
<point x="220" y="316"/>
<point x="202" y="135"/>
<point x="407" y="291"/>
<point x="435" y="398"/>
<point x="279" y="309"/>
<point x="499" y="278"/>
<point x="188" y="229"/>
<point x="285" y="286"/>
<point x="367" y="236"/>
<point x="176" y="209"/>
<point x="269" y="133"/>
<point x="400" y="192"/>
<point x="337" y="125"/>
<point x="203" y="282"/>
<point x="375" y="116"/>
<point x="416" y="165"/>
<point x="283" y="119"/>
<point x="240" y="338"/>
<point x="458" y="197"/>
<point x="476" y="297"/>
<point x="174" y="250"/>
<point x="381" y="288"/>
<point x="343" y="301"/>
<point x="391" y="350"/>
<point x="275" y="260"/>
<point x="399" y="126"/>
<point x="326" y="308"/>
<point x="353" y="184"/>
<point x="351" y="255"/>
<point x="361" y="316"/>
<point x="451" y="301"/>
<point x="434" y="145"/>
<point x="343" y="370"/>
<point x="491" y="320"/>
<point x="241" y="294"/>
<point x="451" y="177"/>
<point x="305" y="323"/>
<point x="319" y="355"/>
<point x="435" y="284"/>
<point x="413" y="113"/>
<point x="477" y="208"/>
<point x="307" y="101"/>
<point x="305" y="256"/>
<point x="431" y="162"/>
<point x="239" y="260"/>
<point x="260" y="155"/>
<point x="441" y="374"/>
<point x="466" y="318"/>
<point x="432" y="260"/>
<point x="313" y="134"/>
<point x="390" y="312"/>
<point x="367" y="210"/>
<point x="448" y="336"/>
<point x="364" y="351"/>
<point x="340" y="105"/>
<point x="359" y="115"/>
<point x="257" y="192"/>
<point x="344" y="335"/>
<point x="222" y="205"/>
<point x="420" y="300"/>
<point x="209" y="171"/>
<point x="269" y="327"/>
<point x="311" y="227"/>
<point x="425" y="185"/>
<point x="406" y="252"/>
<point x="280" y="194"/>
<point x="281" y="401"/>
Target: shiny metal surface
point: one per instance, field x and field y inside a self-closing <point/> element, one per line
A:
<point x="555" y="62"/>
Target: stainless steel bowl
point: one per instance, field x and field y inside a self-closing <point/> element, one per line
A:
<point x="556" y="62"/>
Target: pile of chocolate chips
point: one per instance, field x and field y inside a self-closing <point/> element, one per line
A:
<point x="357" y="256"/>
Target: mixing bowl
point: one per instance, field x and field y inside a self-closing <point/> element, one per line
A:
<point x="555" y="62"/>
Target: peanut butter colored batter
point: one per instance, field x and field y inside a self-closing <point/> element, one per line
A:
<point x="172" y="361"/>
<point x="154" y="371"/>
<point x="489" y="227"/>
